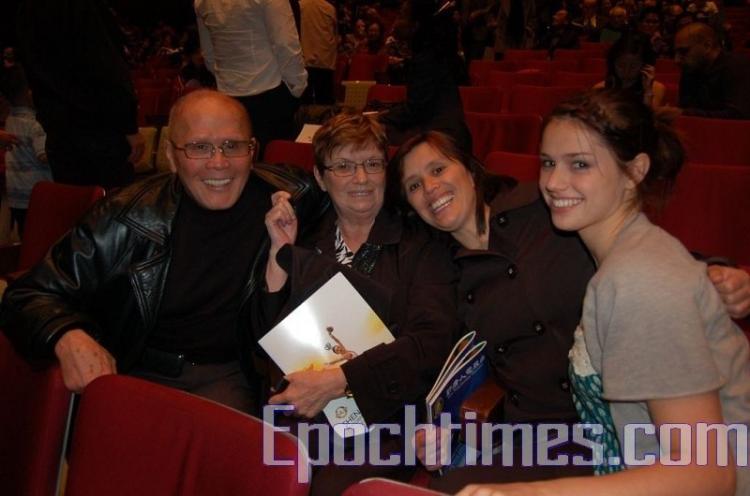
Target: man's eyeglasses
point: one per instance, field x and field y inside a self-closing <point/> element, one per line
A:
<point x="344" y="168"/>
<point x="229" y="148"/>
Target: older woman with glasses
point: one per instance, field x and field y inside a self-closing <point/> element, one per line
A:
<point x="407" y="276"/>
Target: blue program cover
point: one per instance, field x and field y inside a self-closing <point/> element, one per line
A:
<point x="464" y="371"/>
<point x="460" y="387"/>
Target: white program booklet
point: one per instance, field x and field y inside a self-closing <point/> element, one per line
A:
<point x="333" y="325"/>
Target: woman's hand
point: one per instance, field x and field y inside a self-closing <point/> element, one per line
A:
<point x="281" y="221"/>
<point x="309" y="391"/>
<point x="429" y="441"/>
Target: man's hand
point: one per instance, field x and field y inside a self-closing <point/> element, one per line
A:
<point x="428" y="445"/>
<point x="137" y="147"/>
<point x="733" y="286"/>
<point x="311" y="390"/>
<point x="82" y="359"/>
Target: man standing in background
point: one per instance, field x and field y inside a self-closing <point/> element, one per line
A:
<point x="319" y="49"/>
<point x="253" y="49"/>
<point x="73" y="53"/>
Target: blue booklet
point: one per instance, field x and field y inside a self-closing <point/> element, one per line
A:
<point x="463" y="372"/>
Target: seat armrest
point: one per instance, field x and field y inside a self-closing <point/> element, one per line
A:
<point x="483" y="401"/>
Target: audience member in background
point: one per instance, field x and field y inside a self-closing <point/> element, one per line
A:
<point x="630" y="66"/>
<point x="655" y="345"/>
<point x="398" y="51"/>
<point x="370" y="14"/>
<point x="343" y="19"/>
<point x="714" y="83"/>
<point x="632" y="7"/>
<point x="434" y="73"/>
<point x="477" y="22"/>
<point x="155" y="280"/>
<point x="375" y="43"/>
<point x="253" y="50"/>
<point x="82" y="90"/>
<point x="516" y="25"/>
<point x="649" y="23"/>
<point x="561" y="34"/>
<point x="26" y="163"/>
<point x="194" y="73"/>
<point x="703" y="10"/>
<point x="591" y="22"/>
<point x="319" y="46"/>
<point x="671" y="14"/>
<point x="356" y="41"/>
<point x="9" y="57"/>
<point x="616" y="26"/>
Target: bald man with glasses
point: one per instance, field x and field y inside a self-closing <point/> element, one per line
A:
<point x="155" y="281"/>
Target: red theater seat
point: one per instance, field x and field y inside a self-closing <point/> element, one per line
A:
<point x="367" y="67"/>
<point x="523" y="54"/>
<point x="53" y="209"/>
<point x="133" y="437"/>
<point x="507" y="80"/>
<point x="716" y="141"/>
<point x="708" y="210"/>
<point x="582" y="79"/>
<point x="577" y="54"/>
<point x="506" y="132"/>
<point x="33" y="416"/>
<point x="479" y="69"/>
<point x="595" y="65"/>
<point x="600" y="47"/>
<point x="522" y="166"/>
<point x="290" y="152"/>
<point x="386" y="93"/>
<point x="539" y="100"/>
<point x="484" y="99"/>
<point x="549" y="66"/>
<point x="382" y="487"/>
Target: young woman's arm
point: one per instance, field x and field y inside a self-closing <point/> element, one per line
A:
<point x="653" y="480"/>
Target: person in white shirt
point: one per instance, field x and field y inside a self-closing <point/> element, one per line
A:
<point x="254" y="51"/>
<point x="319" y="46"/>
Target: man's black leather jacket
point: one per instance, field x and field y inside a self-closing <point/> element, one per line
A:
<point x="107" y="275"/>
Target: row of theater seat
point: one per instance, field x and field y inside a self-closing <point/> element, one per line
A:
<point x="713" y="141"/>
<point x="131" y="437"/>
<point x="508" y="96"/>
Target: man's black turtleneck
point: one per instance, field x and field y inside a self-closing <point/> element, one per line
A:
<point x="201" y="302"/>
